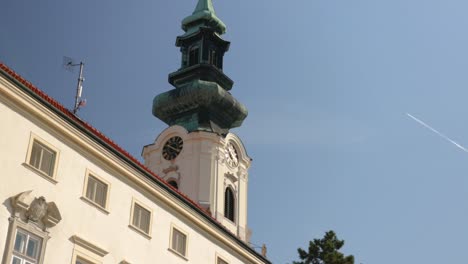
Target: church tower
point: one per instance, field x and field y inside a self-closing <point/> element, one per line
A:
<point x="197" y="154"/>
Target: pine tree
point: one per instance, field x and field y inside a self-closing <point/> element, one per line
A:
<point x="324" y="251"/>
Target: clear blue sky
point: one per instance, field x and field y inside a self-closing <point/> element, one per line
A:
<point x="328" y="84"/>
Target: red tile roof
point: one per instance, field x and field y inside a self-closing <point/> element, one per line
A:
<point x="92" y="130"/>
<point x="87" y="127"/>
<point x="116" y="148"/>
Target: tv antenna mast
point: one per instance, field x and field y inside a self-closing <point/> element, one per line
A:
<point x="69" y="64"/>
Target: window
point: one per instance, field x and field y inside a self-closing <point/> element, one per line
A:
<point x="174" y="184"/>
<point x="221" y="261"/>
<point x="27" y="248"/>
<point x="179" y="242"/>
<point x="141" y="218"/>
<point x="26" y="240"/>
<point x="213" y="57"/>
<point x="42" y="157"/>
<point x="194" y="56"/>
<point x="96" y="190"/>
<point x="82" y="261"/>
<point x="86" y="252"/>
<point x="229" y="204"/>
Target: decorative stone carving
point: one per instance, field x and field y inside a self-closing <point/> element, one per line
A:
<point x="229" y="184"/>
<point x="38" y="210"/>
<point x="230" y="176"/>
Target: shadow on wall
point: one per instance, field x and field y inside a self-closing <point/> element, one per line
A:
<point x="8" y="206"/>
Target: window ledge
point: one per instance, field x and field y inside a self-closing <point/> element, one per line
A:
<point x="100" y="208"/>
<point x="141" y="232"/>
<point x="41" y="173"/>
<point x="178" y="254"/>
<point x="230" y="221"/>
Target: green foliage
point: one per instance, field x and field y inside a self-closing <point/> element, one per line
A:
<point x="324" y="251"/>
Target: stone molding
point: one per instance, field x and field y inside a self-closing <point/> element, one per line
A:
<point x="231" y="176"/>
<point x="88" y="246"/>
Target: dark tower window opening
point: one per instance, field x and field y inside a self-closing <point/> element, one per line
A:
<point x="229" y="204"/>
<point x="214" y="58"/>
<point x="174" y="184"/>
<point x="194" y="56"/>
<point x="184" y="56"/>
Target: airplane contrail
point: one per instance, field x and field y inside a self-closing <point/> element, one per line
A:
<point x="437" y="132"/>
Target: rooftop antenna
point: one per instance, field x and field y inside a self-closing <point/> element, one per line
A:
<point x="69" y="65"/>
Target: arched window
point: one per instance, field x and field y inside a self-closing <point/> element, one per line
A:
<point x="174" y="184"/>
<point x="229" y="204"/>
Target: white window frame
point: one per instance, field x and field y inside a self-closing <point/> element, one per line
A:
<point x="174" y="227"/>
<point x="50" y="177"/>
<point x="132" y="212"/>
<point x="89" y="174"/>
<point x="31" y="230"/>
<point x="77" y="255"/>
<point x="220" y="258"/>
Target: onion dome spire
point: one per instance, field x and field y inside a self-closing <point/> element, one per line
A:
<point x="200" y="100"/>
<point x="204" y="15"/>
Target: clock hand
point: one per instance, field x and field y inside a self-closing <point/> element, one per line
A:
<point x="171" y="147"/>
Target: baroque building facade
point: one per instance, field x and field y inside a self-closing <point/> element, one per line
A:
<point x="71" y="195"/>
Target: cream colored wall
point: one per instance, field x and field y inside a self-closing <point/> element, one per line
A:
<point x="110" y="230"/>
<point x="202" y="170"/>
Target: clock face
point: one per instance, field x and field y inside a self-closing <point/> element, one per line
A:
<point x="231" y="155"/>
<point x="172" y="148"/>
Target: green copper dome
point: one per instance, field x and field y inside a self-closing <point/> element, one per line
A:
<point x="201" y="105"/>
<point x="204" y="15"/>
<point x="200" y="100"/>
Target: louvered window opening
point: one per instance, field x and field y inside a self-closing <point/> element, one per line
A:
<point x="213" y="58"/>
<point x="194" y="56"/>
<point x="229" y="204"/>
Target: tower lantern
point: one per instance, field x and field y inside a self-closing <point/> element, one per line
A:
<point x="200" y="100"/>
